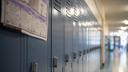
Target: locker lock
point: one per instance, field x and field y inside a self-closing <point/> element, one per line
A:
<point x="66" y="58"/>
<point x="80" y="53"/>
<point x="55" y="61"/>
<point x="74" y="55"/>
<point x="84" y="52"/>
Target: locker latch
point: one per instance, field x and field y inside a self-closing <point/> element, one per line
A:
<point x="55" y="61"/>
<point x="66" y="58"/>
<point x="84" y="52"/>
<point x="74" y="55"/>
<point x="80" y="53"/>
<point x="34" y="67"/>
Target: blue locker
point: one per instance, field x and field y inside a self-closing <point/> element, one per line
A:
<point x="19" y="51"/>
<point x="37" y="52"/>
<point x="11" y="51"/>
<point x="57" y="35"/>
<point x="75" y="48"/>
<point x="68" y="43"/>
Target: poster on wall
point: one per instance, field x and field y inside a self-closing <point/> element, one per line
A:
<point x="28" y="15"/>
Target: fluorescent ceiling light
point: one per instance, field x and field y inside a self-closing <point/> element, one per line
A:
<point x="123" y="28"/>
<point x="125" y="22"/>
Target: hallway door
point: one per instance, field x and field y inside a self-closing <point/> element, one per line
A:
<point x="116" y="42"/>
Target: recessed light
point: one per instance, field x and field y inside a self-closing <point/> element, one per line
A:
<point x="125" y="22"/>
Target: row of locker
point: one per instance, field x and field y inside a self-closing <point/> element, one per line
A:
<point x="19" y="53"/>
<point x="73" y="36"/>
<point x="74" y="33"/>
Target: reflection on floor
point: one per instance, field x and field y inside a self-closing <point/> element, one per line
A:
<point x="93" y="61"/>
<point x="117" y="61"/>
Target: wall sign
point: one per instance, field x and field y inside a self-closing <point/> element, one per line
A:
<point x="28" y="15"/>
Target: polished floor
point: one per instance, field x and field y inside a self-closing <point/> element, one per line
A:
<point x="117" y="61"/>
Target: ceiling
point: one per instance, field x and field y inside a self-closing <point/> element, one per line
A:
<point x="116" y="12"/>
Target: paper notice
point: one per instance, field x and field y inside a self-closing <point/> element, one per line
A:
<point x="26" y="21"/>
<point x="12" y="14"/>
<point x="35" y="4"/>
<point x="30" y="17"/>
<point x="44" y="9"/>
<point x="26" y="1"/>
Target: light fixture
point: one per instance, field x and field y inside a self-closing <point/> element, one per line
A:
<point x="123" y="28"/>
<point x="125" y="22"/>
<point x="94" y="29"/>
<point x="86" y="24"/>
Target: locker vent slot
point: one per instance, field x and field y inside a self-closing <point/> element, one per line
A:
<point x="57" y="5"/>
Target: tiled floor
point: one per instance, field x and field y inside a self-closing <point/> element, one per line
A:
<point x="117" y="61"/>
<point x="93" y="63"/>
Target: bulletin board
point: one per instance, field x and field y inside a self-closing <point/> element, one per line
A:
<point x="30" y="16"/>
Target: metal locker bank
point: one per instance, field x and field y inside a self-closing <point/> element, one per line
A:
<point x="48" y="36"/>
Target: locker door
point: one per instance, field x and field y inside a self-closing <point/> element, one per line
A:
<point x="57" y="39"/>
<point x="75" y="47"/>
<point x="10" y="51"/>
<point x="80" y="48"/>
<point x="68" y="43"/>
<point x="89" y="47"/>
<point x="85" y="50"/>
<point x="37" y="55"/>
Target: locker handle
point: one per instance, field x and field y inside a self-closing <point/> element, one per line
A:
<point x="84" y="52"/>
<point x="55" y="62"/>
<point x="80" y="53"/>
<point x="66" y="58"/>
<point x="74" y="55"/>
<point x="34" y="67"/>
